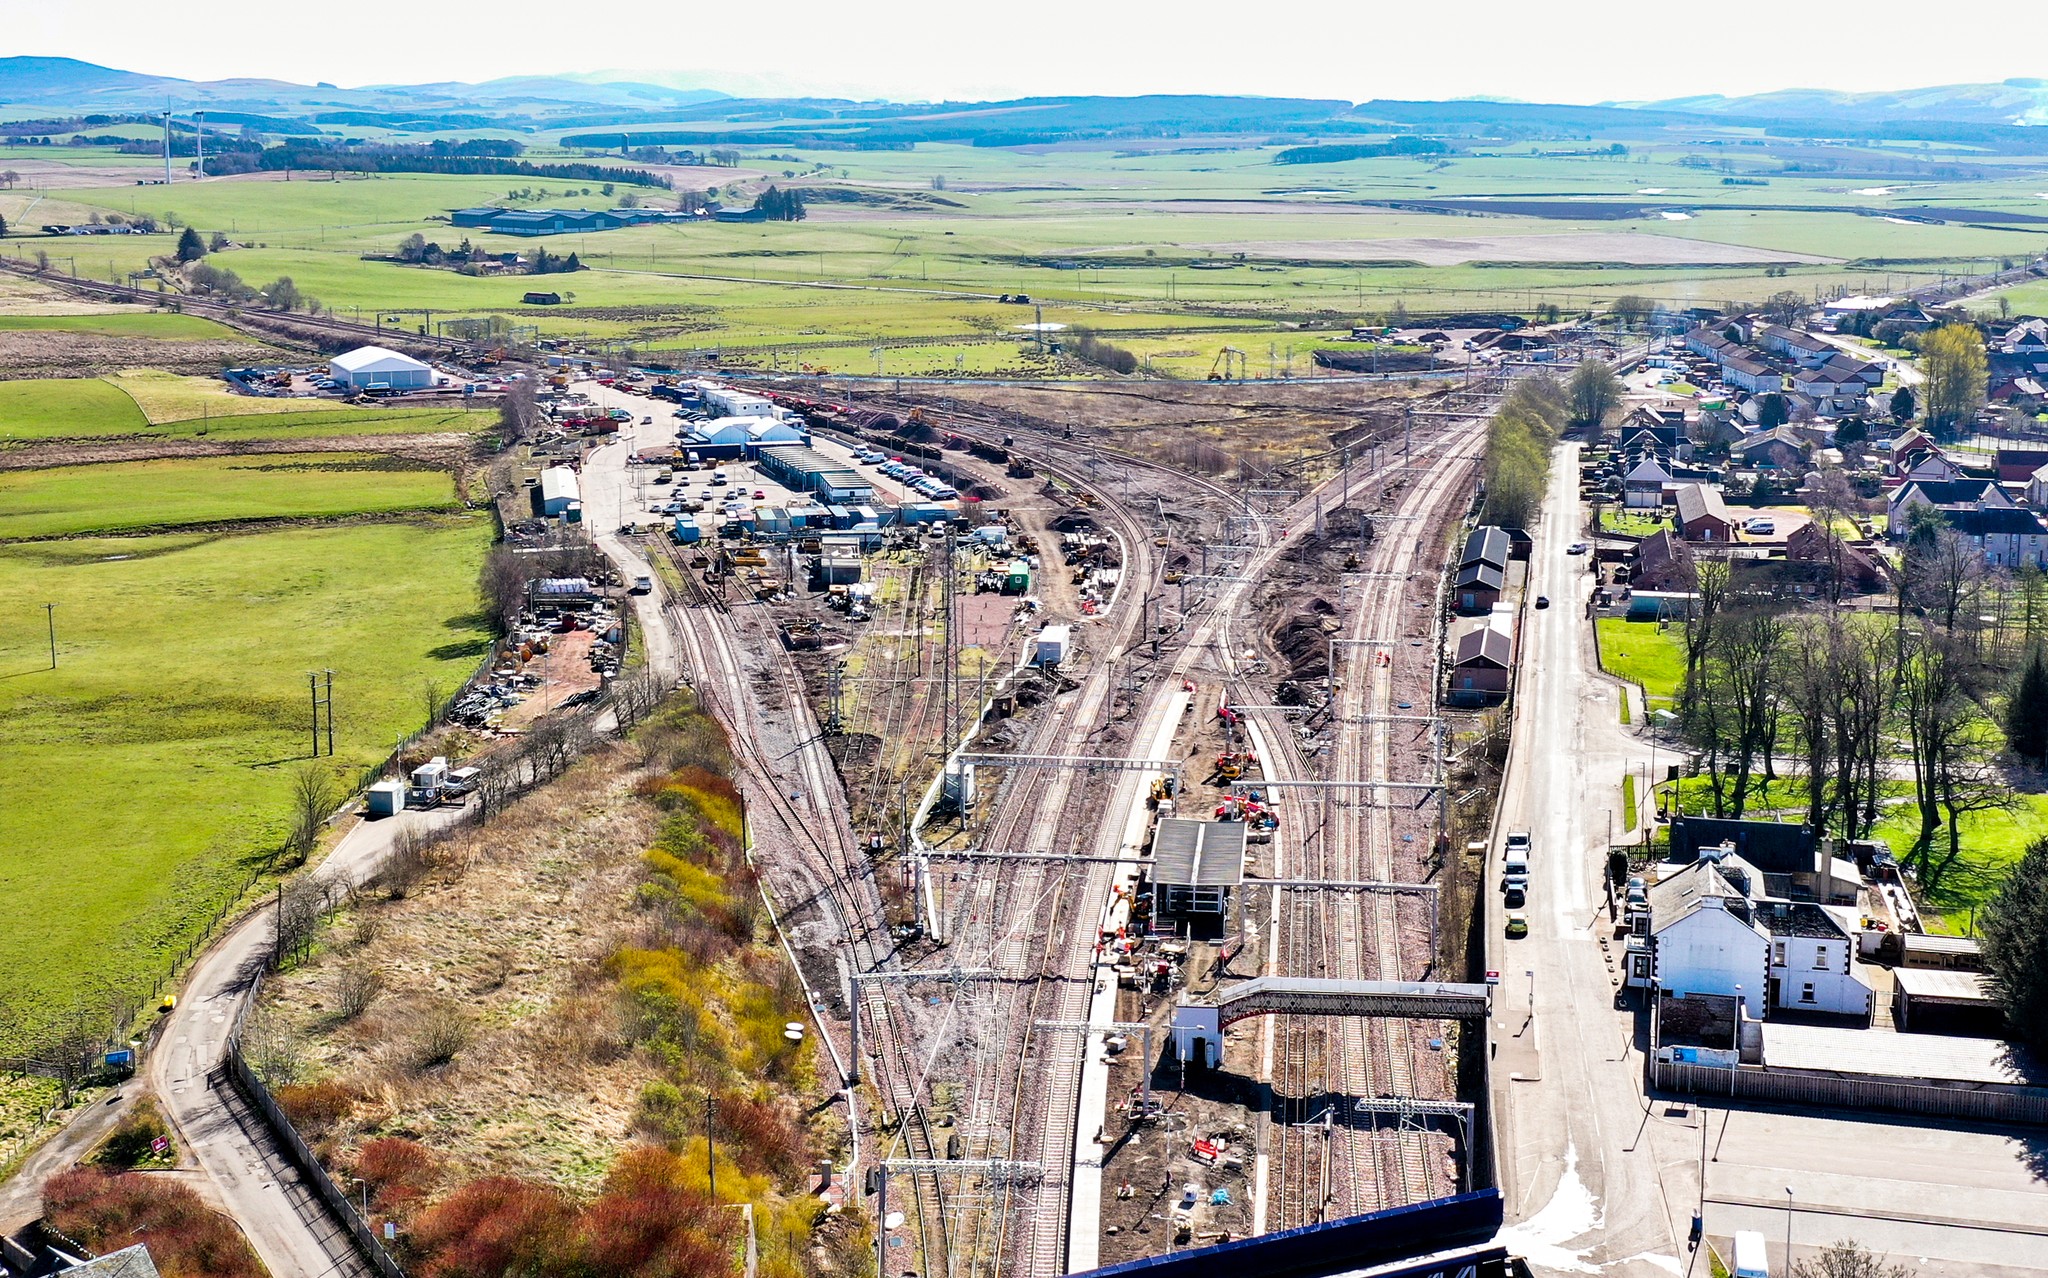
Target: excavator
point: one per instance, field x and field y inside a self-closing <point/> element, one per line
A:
<point x="1231" y="765"/>
<point x="1220" y="370"/>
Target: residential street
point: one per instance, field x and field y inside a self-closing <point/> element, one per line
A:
<point x="1597" y="1177"/>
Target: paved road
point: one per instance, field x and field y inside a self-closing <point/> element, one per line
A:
<point x="1600" y="1178"/>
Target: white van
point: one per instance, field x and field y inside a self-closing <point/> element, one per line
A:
<point x="1750" y="1261"/>
<point x="1515" y="870"/>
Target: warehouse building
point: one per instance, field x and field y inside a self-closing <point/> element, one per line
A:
<point x="560" y="494"/>
<point x="806" y="470"/>
<point x="724" y="401"/>
<point x="727" y="438"/>
<point x="374" y="368"/>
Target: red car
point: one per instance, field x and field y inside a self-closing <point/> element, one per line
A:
<point x="760" y="495"/>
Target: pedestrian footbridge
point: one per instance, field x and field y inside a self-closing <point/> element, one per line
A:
<point x="1198" y="1029"/>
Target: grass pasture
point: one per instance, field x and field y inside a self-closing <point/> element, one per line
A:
<point x="157" y="404"/>
<point x="161" y="325"/>
<point x="66" y="409"/>
<point x="162" y="494"/>
<point x="149" y="773"/>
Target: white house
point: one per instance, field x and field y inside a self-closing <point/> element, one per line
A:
<point x="374" y="368"/>
<point x="1643" y="487"/>
<point x="1812" y="961"/>
<point x="1702" y="939"/>
<point x="724" y="401"/>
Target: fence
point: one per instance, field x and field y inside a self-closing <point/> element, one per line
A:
<point x="1794" y="1088"/>
<point x="237" y="1069"/>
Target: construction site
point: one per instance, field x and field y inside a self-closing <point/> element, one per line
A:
<point x="1056" y="789"/>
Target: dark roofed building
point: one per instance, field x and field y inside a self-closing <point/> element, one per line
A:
<point x="1663" y="562"/>
<point x="2017" y="465"/>
<point x="1487" y="545"/>
<point x="1702" y="516"/>
<point x="1812" y="544"/>
<point x="1774" y="847"/>
<point x="1478" y="587"/>
<point x="1481" y="665"/>
<point x="2009" y="537"/>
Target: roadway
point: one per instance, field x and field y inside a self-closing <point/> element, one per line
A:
<point x="1598" y="1176"/>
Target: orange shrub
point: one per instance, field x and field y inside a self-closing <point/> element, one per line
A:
<point x="107" y="1211"/>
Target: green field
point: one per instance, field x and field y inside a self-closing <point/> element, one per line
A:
<point x="1644" y="654"/>
<point x="148" y="774"/>
<point x="1992" y="842"/>
<point x="1167" y="247"/>
<point x="68" y="408"/>
<point x="204" y="490"/>
<point x="163" y="326"/>
<point x="164" y="405"/>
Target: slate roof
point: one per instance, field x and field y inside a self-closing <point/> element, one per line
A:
<point x="1483" y="645"/>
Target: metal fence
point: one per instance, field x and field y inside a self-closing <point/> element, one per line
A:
<point x="236" y="1069"/>
<point x="1789" y="1088"/>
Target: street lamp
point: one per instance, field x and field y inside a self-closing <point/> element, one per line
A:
<point x="1788" y="1229"/>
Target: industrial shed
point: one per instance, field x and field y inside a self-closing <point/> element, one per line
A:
<point x="560" y="494"/>
<point x="374" y="368"/>
<point x="1937" y="1001"/>
<point x="809" y="471"/>
<point x="1195" y="864"/>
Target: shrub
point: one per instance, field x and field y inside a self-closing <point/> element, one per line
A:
<point x="439" y="1032"/>
<point x="314" y="1108"/>
<point x="355" y="988"/>
<point x="497" y="1226"/>
<point x="129" y="1144"/>
<point x="400" y="1172"/>
<point x="109" y="1210"/>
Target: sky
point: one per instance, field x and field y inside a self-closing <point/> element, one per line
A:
<point x="1587" y="51"/>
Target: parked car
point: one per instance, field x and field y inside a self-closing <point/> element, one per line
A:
<point x="760" y="494"/>
<point x="1515" y="897"/>
<point x="1518" y="925"/>
<point x="1576" y="548"/>
<point x="1543" y="601"/>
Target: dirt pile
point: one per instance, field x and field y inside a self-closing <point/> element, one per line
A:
<point x="1303" y="640"/>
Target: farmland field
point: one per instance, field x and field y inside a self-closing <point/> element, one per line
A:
<point x="64" y="409"/>
<point x="160" y="405"/>
<point x="167" y="493"/>
<point x="162" y="325"/>
<point x="909" y="248"/>
<point x="147" y="775"/>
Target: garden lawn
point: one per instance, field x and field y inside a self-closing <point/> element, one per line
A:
<point x="166" y="494"/>
<point x="1645" y="654"/>
<point x="1630" y="525"/>
<point x="148" y="775"/>
<point x="66" y="407"/>
<point x="1992" y="843"/>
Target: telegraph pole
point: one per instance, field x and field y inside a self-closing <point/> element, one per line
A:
<point x="330" y="714"/>
<point x="50" y="611"/>
<point x="711" y="1143"/>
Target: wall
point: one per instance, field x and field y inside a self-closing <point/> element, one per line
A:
<point x="1791" y="1088"/>
<point x="1711" y="952"/>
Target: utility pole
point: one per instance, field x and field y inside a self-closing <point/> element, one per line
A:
<point x="199" y="140"/>
<point x="167" y="146"/>
<point x="313" y="695"/>
<point x="330" y="714"/>
<point x="711" y="1144"/>
<point x="50" y="611"/>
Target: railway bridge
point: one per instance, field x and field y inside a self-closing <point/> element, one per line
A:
<point x="1198" y="1028"/>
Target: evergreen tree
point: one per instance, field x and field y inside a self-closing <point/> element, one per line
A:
<point x="1902" y="404"/>
<point x="2026" y="713"/>
<point x="190" y="247"/>
<point x="2013" y="930"/>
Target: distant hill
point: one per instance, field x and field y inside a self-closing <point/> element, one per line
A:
<point x="67" y="84"/>
<point x="26" y="80"/>
<point x="2018" y="102"/>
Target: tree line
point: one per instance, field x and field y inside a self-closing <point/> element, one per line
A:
<point x="1525" y="429"/>
<point x="780" y="205"/>
<point x="1921" y="694"/>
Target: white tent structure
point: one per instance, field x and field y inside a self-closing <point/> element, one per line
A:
<point x="374" y="368"/>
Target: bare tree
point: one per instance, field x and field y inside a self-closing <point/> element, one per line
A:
<point x="439" y="1032"/>
<point x="1951" y="743"/>
<point x="518" y="411"/>
<point x="313" y="800"/>
<point x="298" y="909"/>
<point x="354" y="990"/>
<point x="502" y="583"/>
<point x="1732" y="710"/>
<point x="1943" y="574"/>
<point x="635" y="696"/>
<point x="433" y="700"/>
<point x="1848" y="1259"/>
<point x="1708" y="576"/>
